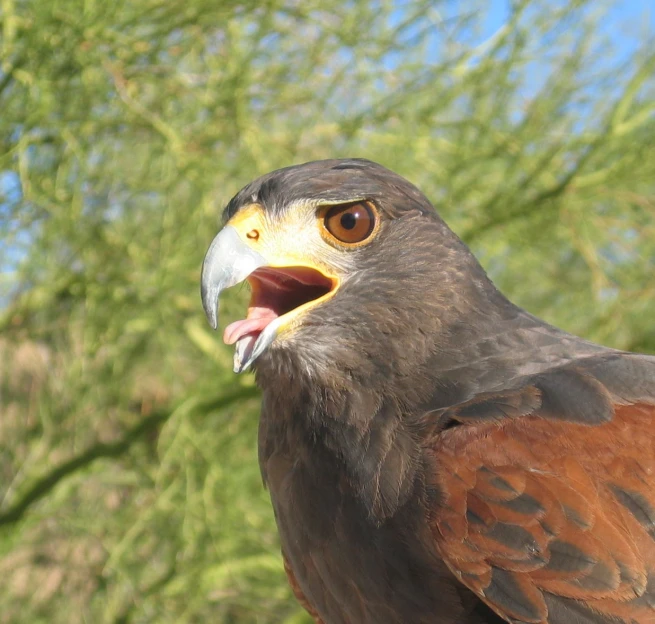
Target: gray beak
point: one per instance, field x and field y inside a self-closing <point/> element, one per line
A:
<point x="228" y="262"/>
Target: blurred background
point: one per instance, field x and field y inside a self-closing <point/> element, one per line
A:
<point x="129" y="486"/>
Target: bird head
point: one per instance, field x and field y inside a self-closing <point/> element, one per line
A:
<point x="350" y="269"/>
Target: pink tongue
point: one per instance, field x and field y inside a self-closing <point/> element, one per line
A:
<point x="258" y="319"/>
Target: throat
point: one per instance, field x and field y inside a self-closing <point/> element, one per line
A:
<point x="350" y="445"/>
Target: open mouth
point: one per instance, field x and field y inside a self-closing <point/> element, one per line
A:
<point x="276" y="293"/>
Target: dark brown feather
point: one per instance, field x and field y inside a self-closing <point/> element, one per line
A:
<point x="297" y="592"/>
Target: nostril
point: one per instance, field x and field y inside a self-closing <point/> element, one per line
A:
<point x="253" y="235"/>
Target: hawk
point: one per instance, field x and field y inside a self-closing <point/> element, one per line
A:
<point x="434" y="453"/>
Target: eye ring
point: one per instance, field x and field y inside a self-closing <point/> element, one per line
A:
<point x="349" y="224"/>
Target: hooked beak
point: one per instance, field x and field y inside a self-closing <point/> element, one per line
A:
<point x="282" y="288"/>
<point x="228" y="262"/>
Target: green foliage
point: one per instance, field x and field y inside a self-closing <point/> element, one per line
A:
<point x="129" y="482"/>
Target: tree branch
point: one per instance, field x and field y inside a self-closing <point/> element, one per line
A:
<point x="46" y="483"/>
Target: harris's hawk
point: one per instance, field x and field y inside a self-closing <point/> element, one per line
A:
<point x="434" y="453"/>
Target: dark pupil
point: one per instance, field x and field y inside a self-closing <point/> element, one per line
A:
<point x="348" y="221"/>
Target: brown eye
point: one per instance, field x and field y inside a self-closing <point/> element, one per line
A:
<point x="350" y="223"/>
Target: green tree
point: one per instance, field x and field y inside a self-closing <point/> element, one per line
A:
<point x="130" y="490"/>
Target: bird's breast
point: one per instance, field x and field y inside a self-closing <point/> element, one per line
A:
<point x="349" y="564"/>
<point x="349" y="568"/>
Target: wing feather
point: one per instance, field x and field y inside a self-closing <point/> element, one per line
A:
<point x="550" y="520"/>
<point x="298" y="593"/>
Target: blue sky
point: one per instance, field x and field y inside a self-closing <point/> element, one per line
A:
<point x="619" y="23"/>
<point x="12" y="251"/>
